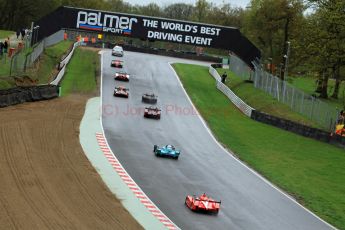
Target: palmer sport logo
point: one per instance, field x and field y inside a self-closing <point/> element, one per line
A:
<point x="105" y="23"/>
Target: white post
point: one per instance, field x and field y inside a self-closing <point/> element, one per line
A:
<point x="287" y="62"/>
<point x="32" y="30"/>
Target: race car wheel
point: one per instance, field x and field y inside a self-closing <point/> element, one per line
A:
<point x="176" y="158"/>
<point x="155" y="148"/>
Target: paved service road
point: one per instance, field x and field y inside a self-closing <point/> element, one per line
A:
<point x="247" y="201"/>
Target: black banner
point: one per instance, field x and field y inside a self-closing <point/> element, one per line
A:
<point x="151" y="28"/>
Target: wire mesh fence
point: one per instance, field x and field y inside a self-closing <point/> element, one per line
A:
<point x="240" y="68"/>
<point x="299" y="101"/>
<point x="316" y="110"/>
<point x="26" y="57"/>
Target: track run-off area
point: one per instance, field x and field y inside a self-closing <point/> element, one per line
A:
<point x="248" y="201"/>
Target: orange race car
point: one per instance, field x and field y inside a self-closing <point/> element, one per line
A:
<point x="121" y="92"/>
<point x="203" y="203"/>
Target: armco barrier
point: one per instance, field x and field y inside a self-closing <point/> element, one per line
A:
<point x="214" y="72"/>
<point x="288" y="125"/>
<point x="241" y="105"/>
<point x="63" y="65"/>
<point x="26" y="94"/>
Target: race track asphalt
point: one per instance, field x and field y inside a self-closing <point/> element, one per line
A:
<point x="248" y="202"/>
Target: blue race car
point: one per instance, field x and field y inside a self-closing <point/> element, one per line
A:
<point x="166" y="151"/>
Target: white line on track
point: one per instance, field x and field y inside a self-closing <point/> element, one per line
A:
<point x="167" y="222"/>
<point x="246" y="166"/>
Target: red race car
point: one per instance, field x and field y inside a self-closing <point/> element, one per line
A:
<point x="203" y="203"/>
<point x="116" y="63"/>
<point x="152" y="112"/>
<point x="121" y="92"/>
<point x="121" y="76"/>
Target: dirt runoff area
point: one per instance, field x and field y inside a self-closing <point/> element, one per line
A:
<point x="46" y="181"/>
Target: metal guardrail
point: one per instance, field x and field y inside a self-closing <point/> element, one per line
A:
<point x="241" y="105"/>
<point x="214" y="73"/>
<point x="64" y="63"/>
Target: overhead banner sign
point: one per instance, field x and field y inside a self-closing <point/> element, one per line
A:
<point x="148" y="28"/>
<point x="153" y="28"/>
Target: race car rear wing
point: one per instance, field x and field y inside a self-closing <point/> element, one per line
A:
<point x="150" y="95"/>
<point x="151" y="108"/>
<point x="122" y="72"/>
<point x="118" y="88"/>
<point x="210" y="201"/>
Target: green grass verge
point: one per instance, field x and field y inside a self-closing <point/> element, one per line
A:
<point x="308" y="85"/>
<point x="5" y="64"/>
<point x="5" y="84"/>
<point x="49" y="60"/>
<point x="5" y="34"/>
<point x="81" y="73"/>
<point x="44" y="70"/>
<point x="311" y="171"/>
<point x="262" y="101"/>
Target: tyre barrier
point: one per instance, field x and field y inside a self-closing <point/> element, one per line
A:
<point x="20" y="95"/>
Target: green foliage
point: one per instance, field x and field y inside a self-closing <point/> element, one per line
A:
<point x="323" y="49"/>
<point x="5" y="64"/>
<point x="271" y="23"/>
<point x="308" y="85"/>
<point x="201" y="10"/>
<point x="5" y="34"/>
<point x="20" y="13"/>
<point x="309" y="170"/>
<point x="81" y="73"/>
<point x="226" y="15"/>
<point x="48" y="63"/>
<point x="5" y="84"/>
<point x="180" y="11"/>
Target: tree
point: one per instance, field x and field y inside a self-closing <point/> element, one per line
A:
<point x="201" y="10"/>
<point x="323" y="46"/>
<point x="226" y="15"/>
<point x="151" y="9"/>
<point x="118" y="6"/>
<point x="181" y="11"/>
<point x="16" y="14"/>
<point x="270" y="24"/>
